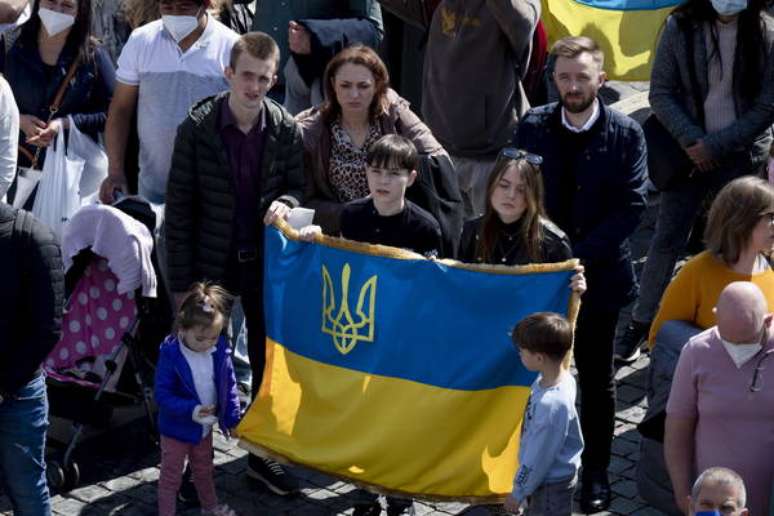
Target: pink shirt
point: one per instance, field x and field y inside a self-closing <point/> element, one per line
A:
<point x="734" y="427"/>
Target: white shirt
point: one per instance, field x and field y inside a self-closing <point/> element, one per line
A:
<point x="9" y="136"/>
<point x="203" y="372"/>
<point x="170" y="82"/>
<point x="593" y="118"/>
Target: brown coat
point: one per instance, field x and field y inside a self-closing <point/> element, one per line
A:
<point x="436" y="189"/>
<point x="399" y="119"/>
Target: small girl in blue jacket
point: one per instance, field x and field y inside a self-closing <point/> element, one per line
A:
<point x="195" y="388"/>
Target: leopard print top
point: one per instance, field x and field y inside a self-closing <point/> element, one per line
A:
<point x="346" y="171"/>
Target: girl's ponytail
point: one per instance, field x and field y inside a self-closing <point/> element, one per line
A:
<point x="205" y="304"/>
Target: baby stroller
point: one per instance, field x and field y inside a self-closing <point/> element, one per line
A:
<point x="115" y="316"/>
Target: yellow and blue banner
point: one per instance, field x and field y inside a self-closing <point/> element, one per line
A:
<point x="626" y="30"/>
<point x="394" y="371"/>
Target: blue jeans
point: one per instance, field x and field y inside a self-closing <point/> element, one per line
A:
<point x="552" y="499"/>
<point x="23" y="424"/>
<point x="677" y="212"/>
<point x="238" y="333"/>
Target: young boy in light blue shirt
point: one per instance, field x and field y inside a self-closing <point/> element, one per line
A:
<point x="551" y="440"/>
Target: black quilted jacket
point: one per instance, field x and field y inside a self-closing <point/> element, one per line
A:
<point x="31" y="296"/>
<point x="200" y="191"/>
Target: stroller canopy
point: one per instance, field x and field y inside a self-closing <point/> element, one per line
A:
<point x="124" y="242"/>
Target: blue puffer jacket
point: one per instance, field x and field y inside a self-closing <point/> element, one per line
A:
<point x="176" y="393"/>
<point x="608" y="195"/>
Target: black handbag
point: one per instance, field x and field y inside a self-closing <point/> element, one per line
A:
<point x="668" y="163"/>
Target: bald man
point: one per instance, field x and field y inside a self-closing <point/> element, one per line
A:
<point x="741" y="312"/>
<point x="719" y="412"/>
<point x="721" y="490"/>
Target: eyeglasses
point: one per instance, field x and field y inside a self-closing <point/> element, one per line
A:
<point x="514" y="153"/>
<point x="756" y="385"/>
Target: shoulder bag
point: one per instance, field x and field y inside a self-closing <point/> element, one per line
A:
<point x="27" y="178"/>
<point x="668" y="164"/>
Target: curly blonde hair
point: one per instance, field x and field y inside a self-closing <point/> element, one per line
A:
<point x="139" y="12"/>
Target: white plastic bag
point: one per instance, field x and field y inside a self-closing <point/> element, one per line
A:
<point x="81" y="146"/>
<point x="57" y="198"/>
<point x="27" y="179"/>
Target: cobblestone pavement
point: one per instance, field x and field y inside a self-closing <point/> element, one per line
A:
<point x="119" y="468"/>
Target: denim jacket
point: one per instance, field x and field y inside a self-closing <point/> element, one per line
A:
<point x="176" y="395"/>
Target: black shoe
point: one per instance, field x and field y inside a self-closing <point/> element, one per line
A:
<point x="399" y="506"/>
<point x="187" y="494"/>
<point x="595" y="492"/>
<point x="272" y="475"/>
<point x="627" y="350"/>
<point x="367" y="509"/>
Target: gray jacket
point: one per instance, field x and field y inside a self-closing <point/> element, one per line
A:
<point x="672" y="103"/>
<point x="477" y="52"/>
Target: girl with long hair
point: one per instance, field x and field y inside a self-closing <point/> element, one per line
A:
<point x="514" y="229"/>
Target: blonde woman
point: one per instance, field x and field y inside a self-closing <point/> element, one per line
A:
<point x="740" y="239"/>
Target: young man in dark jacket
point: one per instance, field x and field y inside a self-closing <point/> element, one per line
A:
<point x="594" y="171"/>
<point x="238" y="161"/>
<point x="31" y="302"/>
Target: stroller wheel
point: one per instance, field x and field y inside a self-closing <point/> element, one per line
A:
<point x="55" y="475"/>
<point x="62" y="477"/>
<point x="72" y="475"/>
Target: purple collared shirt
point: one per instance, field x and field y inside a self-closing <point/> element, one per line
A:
<point x="245" y="154"/>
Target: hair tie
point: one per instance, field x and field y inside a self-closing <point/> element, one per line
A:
<point x="206" y="306"/>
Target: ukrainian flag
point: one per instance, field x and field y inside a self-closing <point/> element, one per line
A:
<point x="626" y="30"/>
<point x="394" y="371"/>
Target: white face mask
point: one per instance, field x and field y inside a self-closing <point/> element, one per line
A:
<point x="180" y="26"/>
<point x="741" y="353"/>
<point x="55" y="22"/>
<point x="729" y="7"/>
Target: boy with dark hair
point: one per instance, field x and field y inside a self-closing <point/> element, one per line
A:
<point x="551" y="441"/>
<point x="386" y="217"/>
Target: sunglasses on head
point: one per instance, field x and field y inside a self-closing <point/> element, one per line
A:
<point x="514" y="153"/>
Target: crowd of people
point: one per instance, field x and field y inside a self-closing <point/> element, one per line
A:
<point x="232" y="114"/>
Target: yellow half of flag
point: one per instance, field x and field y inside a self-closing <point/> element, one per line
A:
<point x="394" y="371"/>
<point x="627" y="31"/>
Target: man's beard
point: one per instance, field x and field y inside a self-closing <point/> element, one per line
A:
<point x="576" y="107"/>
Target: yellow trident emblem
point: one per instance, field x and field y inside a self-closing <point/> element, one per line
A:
<point x="342" y="328"/>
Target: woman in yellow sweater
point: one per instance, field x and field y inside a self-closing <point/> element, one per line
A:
<point x="740" y="239"/>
